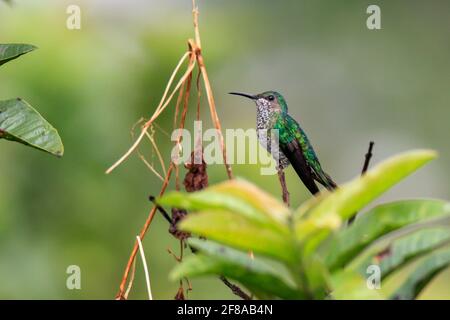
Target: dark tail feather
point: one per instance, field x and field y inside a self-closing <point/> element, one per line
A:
<point x="331" y="185"/>
<point x="325" y="180"/>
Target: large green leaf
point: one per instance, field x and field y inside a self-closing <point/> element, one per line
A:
<point x="399" y="248"/>
<point x="12" y="51"/>
<point x="239" y="231"/>
<point x="314" y="276"/>
<point x="352" y="286"/>
<point x="420" y="276"/>
<point x="317" y="219"/>
<point x="213" y="200"/>
<point x="22" y="123"/>
<point x="238" y="196"/>
<point x="255" y="274"/>
<point x="379" y="221"/>
<point x="259" y="199"/>
<point x="353" y="196"/>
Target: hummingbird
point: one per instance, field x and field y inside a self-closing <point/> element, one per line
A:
<point x="294" y="146"/>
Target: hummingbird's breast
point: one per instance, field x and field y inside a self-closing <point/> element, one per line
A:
<point x="265" y="116"/>
<point x="265" y="121"/>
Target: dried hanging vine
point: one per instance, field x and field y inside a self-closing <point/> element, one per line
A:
<point x="196" y="176"/>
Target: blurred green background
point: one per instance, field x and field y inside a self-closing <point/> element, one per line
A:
<point x="345" y="84"/>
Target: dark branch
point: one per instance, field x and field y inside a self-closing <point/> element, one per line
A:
<point x="368" y="156"/>
<point x="235" y="289"/>
<point x="161" y="209"/>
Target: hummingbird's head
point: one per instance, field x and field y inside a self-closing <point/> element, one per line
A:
<point x="269" y="99"/>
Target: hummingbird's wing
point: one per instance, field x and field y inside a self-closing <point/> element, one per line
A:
<point x="293" y="152"/>
<point x="291" y="148"/>
<point x="310" y="155"/>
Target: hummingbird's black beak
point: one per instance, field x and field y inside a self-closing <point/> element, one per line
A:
<point x="243" y="95"/>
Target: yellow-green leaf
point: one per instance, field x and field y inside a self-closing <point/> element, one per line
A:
<point x="251" y="194"/>
<point x="353" y="196"/>
<point x="253" y="273"/>
<point x="240" y="232"/>
<point x="381" y="220"/>
<point x="352" y="286"/>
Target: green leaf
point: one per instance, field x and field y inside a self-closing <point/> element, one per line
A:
<point x="240" y="232"/>
<point x="352" y="286"/>
<point x="255" y="274"/>
<point x="211" y="200"/>
<point x="316" y="276"/>
<point x="259" y="199"/>
<point x="20" y="122"/>
<point x="318" y="218"/>
<point x="304" y="210"/>
<point x="403" y="246"/>
<point x="381" y="220"/>
<point x="353" y="196"/>
<point x="238" y="196"/>
<point x="423" y="274"/>
<point x="12" y="51"/>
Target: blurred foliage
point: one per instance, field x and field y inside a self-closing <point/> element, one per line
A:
<point x="21" y="122"/>
<point x="345" y="84"/>
<point x="313" y="243"/>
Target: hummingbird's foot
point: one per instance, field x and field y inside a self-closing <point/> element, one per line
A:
<point x="284" y="189"/>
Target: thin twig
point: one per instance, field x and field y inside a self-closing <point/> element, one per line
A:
<point x="130" y="283"/>
<point x="187" y="95"/>
<point x="197" y="48"/>
<point x="284" y="188"/>
<point x="199" y="93"/>
<point x="195" y="58"/>
<point x="367" y="158"/>
<point x="144" y="263"/>
<point x="187" y="74"/>
<point x="214" y="116"/>
<point x="163" y="189"/>
<point x="150" y="167"/>
<point x="196" y="28"/>
<point x="158" y="154"/>
<point x="161" y="209"/>
<point x="147" y="223"/>
<point x="177" y="106"/>
<point x="161" y="128"/>
<point x="142" y="157"/>
<point x="158" y="110"/>
<point x="235" y="289"/>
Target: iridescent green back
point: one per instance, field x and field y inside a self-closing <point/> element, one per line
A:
<point x="288" y="130"/>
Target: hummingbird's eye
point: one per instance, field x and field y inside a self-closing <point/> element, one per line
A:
<point x="271" y="98"/>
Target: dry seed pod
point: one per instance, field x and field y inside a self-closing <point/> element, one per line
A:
<point x="196" y="178"/>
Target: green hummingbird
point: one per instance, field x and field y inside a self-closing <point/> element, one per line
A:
<point x="294" y="146"/>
